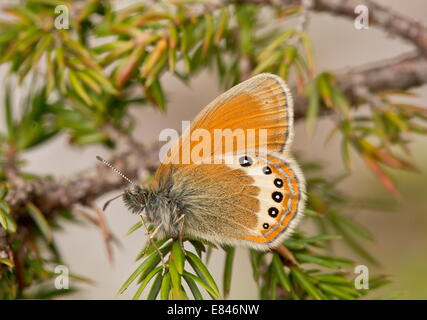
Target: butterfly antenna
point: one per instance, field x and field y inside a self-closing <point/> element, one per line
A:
<point x="115" y="170"/>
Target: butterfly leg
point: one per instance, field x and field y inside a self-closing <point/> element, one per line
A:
<point x="153" y="243"/>
<point x="153" y="234"/>
<point x="181" y="230"/>
<point x="150" y="236"/>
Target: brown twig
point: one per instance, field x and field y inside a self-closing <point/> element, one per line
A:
<point x="403" y="72"/>
<point x="400" y="73"/>
<point x="106" y="233"/>
<point x="379" y="16"/>
<point x="286" y="256"/>
<point x="100" y="222"/>
<point x="51" y="195"/>
<point x="10" y="168"/>
<point x="19" y="267"/>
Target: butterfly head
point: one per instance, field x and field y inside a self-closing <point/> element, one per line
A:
<point x="135" y="199"/>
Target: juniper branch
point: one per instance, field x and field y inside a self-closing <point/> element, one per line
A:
<point x="54" y="194"/>
<point x="380" y="16"/>
<point x="400" y="73"/>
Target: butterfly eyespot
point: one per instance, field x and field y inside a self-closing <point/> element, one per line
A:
<point x="266" y="170"/>
<point x="278" y="182"/>
<point x="277" y="196"/>
<point x="273" y="212"/>
<point x="265" y="225"/>
<point x="245" y="161"/>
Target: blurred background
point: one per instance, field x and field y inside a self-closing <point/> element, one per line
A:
<point x="400" y="234"/>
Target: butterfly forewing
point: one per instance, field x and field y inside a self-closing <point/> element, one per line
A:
<point x="258" y="112"/>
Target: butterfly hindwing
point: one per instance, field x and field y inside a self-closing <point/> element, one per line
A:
<point x="280" y="197"/>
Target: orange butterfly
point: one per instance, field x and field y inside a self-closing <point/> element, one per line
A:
<point x="256" y="199"/>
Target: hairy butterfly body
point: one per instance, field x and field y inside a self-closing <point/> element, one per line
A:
<point x="255" y="198"/>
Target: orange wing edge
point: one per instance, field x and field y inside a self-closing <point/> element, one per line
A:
<point x="289" y="221"/>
